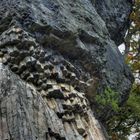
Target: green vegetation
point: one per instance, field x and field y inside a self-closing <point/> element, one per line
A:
<point x="108" y="99"/>
<point x="120" y="126"/>
<point x="127" y="120"/>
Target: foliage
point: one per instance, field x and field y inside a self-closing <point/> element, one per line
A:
<point x="132" y="40"/>
<point x="127" y="119"/>
<point x="109" y="98"/>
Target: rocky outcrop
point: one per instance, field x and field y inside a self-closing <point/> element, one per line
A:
<point x="59" y="113"/>
<point x="55" y="57"/>
<point x="116" y="16"/>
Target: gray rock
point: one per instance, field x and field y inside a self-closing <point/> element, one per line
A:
<point x="39" y="67"/>
<point x="24" y="110"/>
<point x="1" y="54"/>
<point x="60" y="42"/>
<point x="14" y="52"/>
<point x="14" y="68"/>
<point x="116" y="16"/>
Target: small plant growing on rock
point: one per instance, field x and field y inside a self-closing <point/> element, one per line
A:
<point x="108" y="99"/>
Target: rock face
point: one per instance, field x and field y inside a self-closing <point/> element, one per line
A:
<point x="115" y="14"/>
<point x="59" y="113"/>
<point x="55" y="56"/>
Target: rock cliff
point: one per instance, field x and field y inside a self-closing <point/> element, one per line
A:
<point x="55" y="56"/>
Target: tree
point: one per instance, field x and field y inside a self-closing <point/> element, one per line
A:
<point x="127" y="120"/>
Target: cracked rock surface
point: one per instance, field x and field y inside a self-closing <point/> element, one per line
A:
<point x="60" y="113"/>
<point x="54" y="57"/>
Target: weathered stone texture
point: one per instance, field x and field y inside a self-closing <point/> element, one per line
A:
<point x="59" y="113"/>
<point x="116" y="15"/>
<point x="55" y="56"/>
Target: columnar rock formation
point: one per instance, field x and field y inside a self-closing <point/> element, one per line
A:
<point x="54" y="57"/>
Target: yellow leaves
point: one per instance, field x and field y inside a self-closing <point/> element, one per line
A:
<point x="114" y="136"/>
<point x="137" y="1"/>
<point x="129" y="58"/>
<point x="133" y="58"/>
<point x="136" y="65"/>
<point x="129" y="115"/>
<point x="132" y="15"/>
<point x="135" y="15"/>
